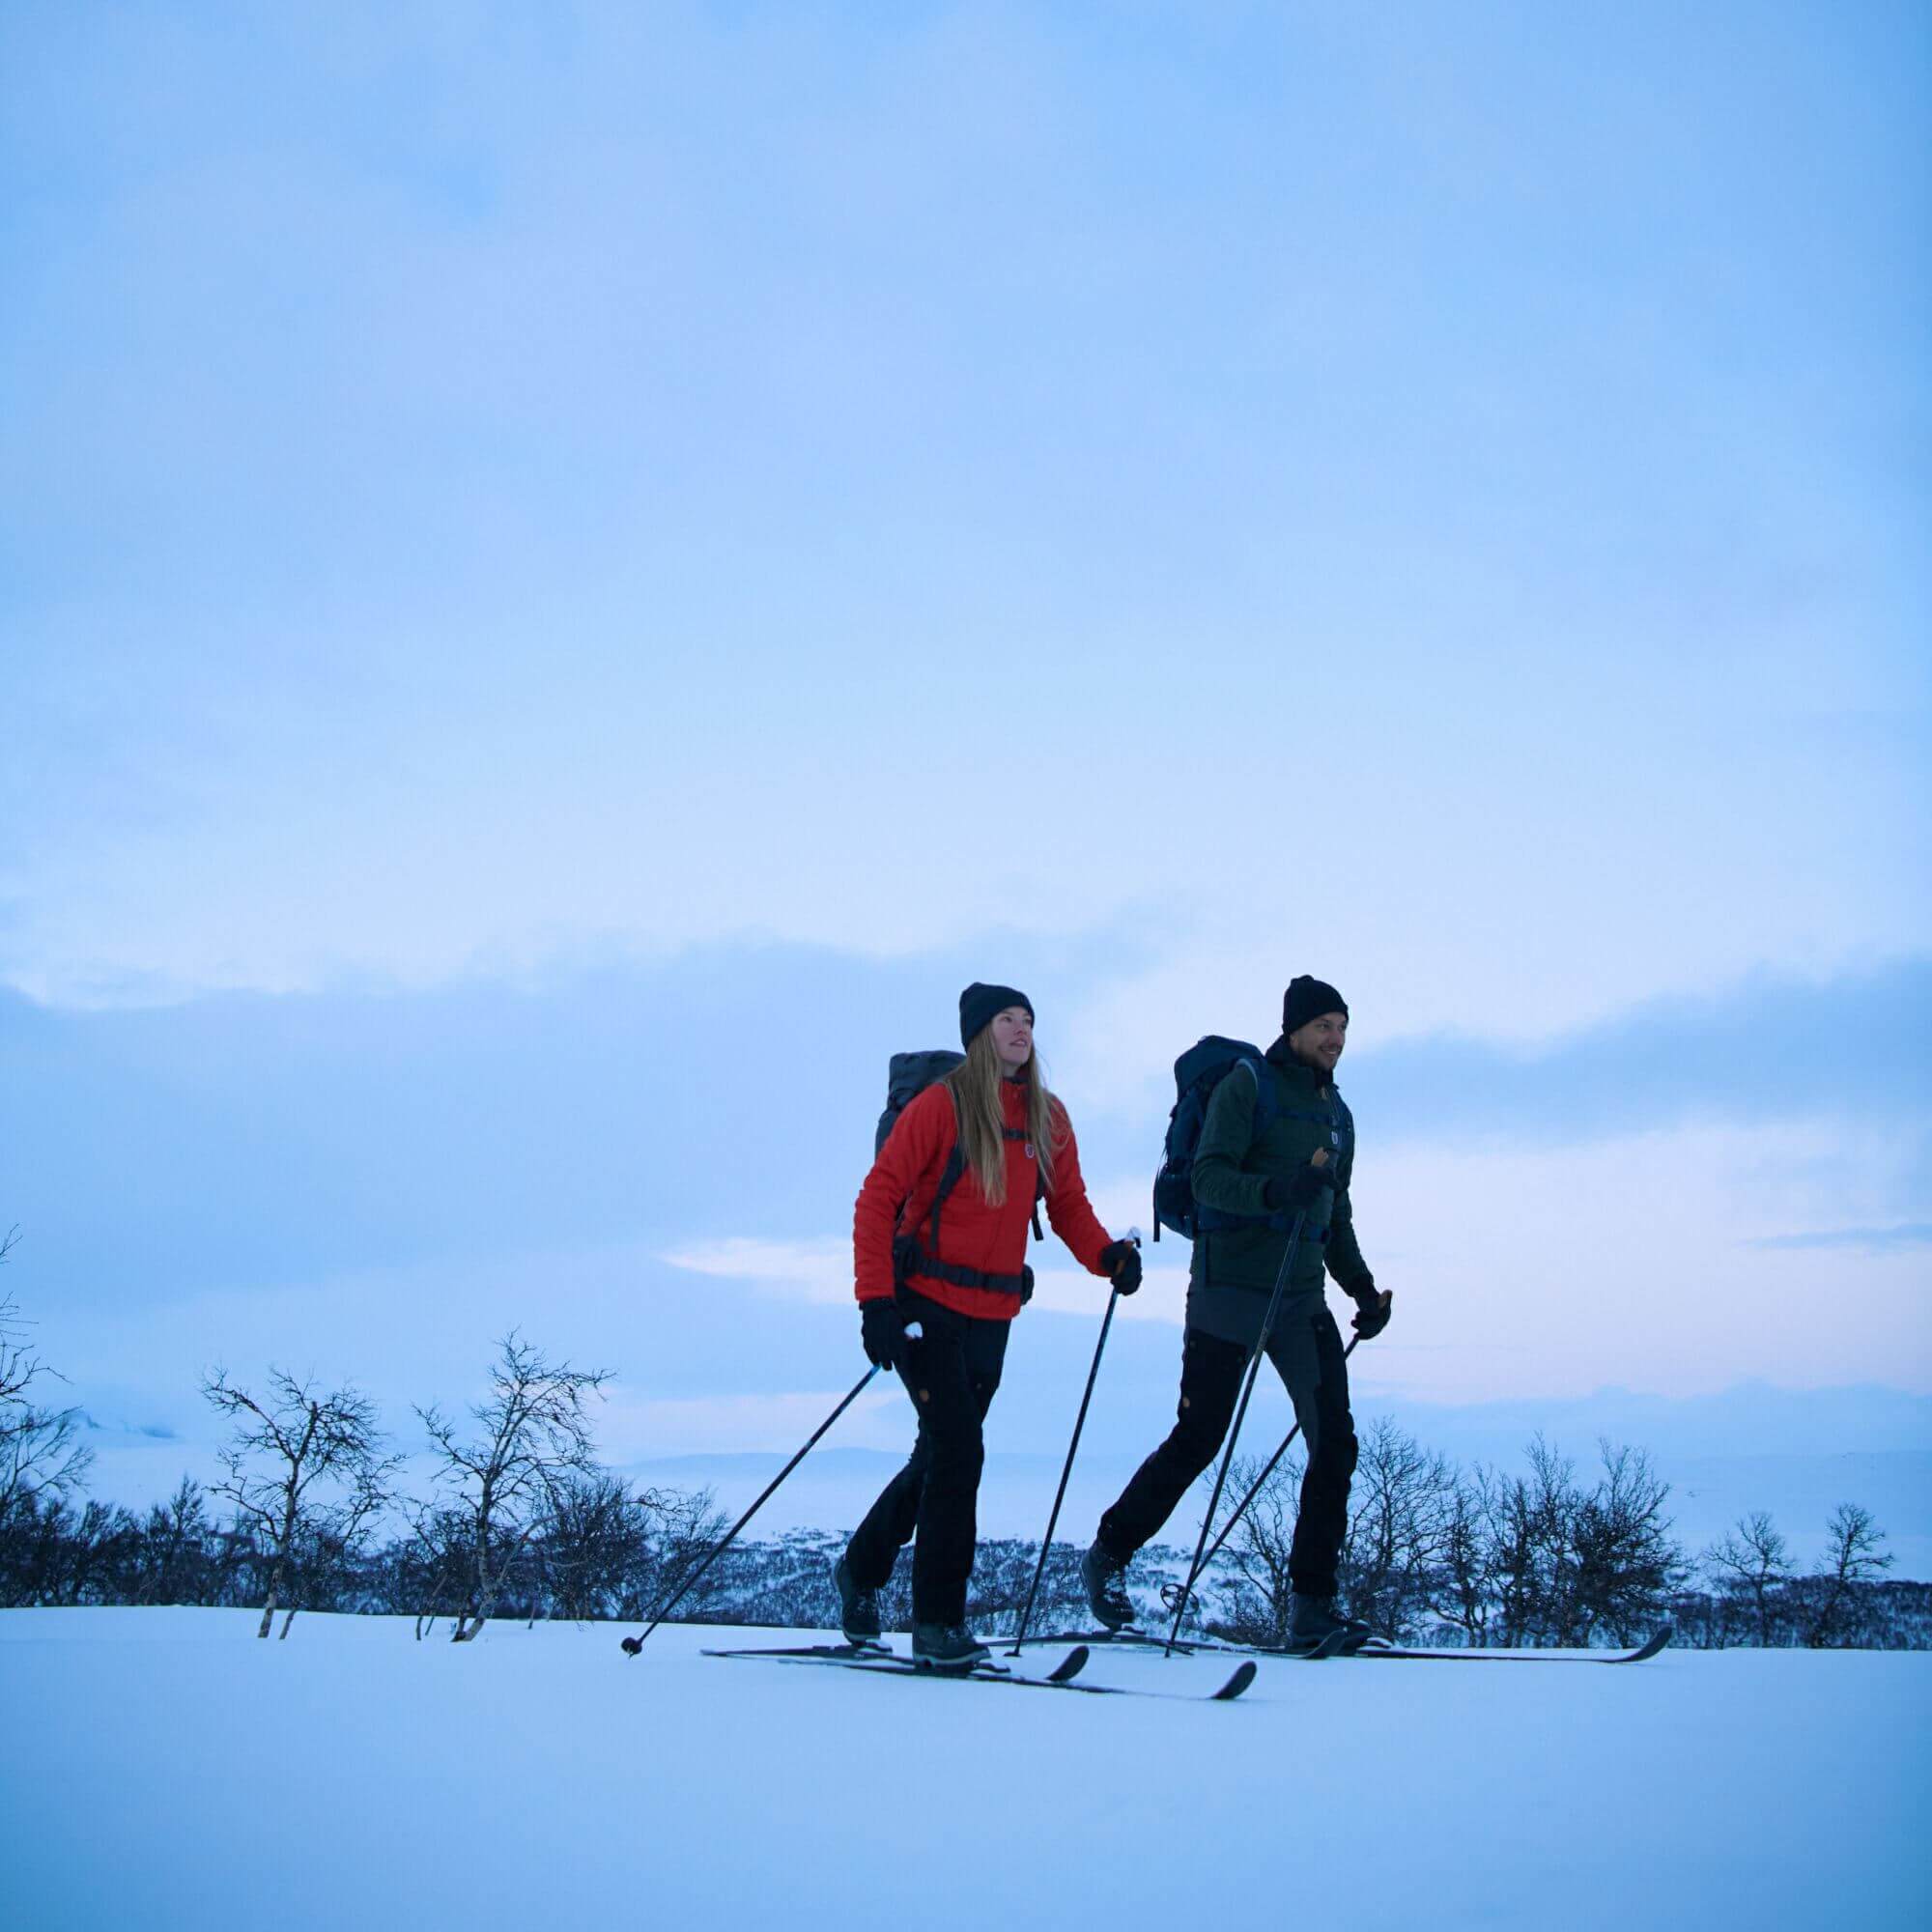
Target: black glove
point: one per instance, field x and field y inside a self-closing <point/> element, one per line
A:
<point x="1374" y="1307"/>
<point x="882" y="1329"/>
<point x="1121" y="1260"/>
<point x="1300" y="1189"/>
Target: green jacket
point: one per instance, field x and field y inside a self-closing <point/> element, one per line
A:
<point x="1233" y="1167"/>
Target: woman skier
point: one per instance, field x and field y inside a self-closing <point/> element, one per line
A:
<point x="939" y="1237"/>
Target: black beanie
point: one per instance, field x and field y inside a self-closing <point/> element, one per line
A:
<point x="979" y="1003"/>
<point x="1307" y="999"/>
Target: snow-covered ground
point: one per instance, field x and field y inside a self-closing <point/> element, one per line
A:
<point x="163" y="1770"/>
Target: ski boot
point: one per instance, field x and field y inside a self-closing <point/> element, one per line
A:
<point x="946" y="1647"/>
<point x="1315" y="1624"/>
<point x="1106" y="1582"/>
<point x="858" y="1609"/>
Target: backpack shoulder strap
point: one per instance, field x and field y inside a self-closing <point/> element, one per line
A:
<point x="955" y="1171"/>
<point x="1267" y="1104"/>
<point x="956" y="1165"/>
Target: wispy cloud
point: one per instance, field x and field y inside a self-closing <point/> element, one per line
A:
<point x="818" y="1270"/>
<point x="1868" y="1241"/>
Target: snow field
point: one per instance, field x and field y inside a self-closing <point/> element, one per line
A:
<point x="165" y="1770"/>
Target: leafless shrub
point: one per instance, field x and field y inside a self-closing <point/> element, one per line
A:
<point x="1256" y="1596"/>
<point x="1528" y="1559"/>
<point x="1401" y="1506"/>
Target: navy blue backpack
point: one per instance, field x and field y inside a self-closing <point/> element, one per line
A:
<point x="1196" y="1075"/>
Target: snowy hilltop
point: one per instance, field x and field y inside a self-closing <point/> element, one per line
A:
<point x="180" y="1771"/>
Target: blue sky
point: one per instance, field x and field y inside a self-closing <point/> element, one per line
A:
<point x="569" y="573"/>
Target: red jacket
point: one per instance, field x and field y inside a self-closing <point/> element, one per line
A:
<point x="898" y="1196"/>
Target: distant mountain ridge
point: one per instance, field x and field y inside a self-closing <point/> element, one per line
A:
<point x="835" y="1487"/>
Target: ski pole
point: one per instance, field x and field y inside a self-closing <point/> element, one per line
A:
<point x="1234" y="1428"/>
<point x="1079" y="1423"/>
<point x="1256" y="1487"/>
<point x="633" y="1645"/>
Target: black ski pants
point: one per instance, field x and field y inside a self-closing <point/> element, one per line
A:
<point x="952" y="1373"/>
<point x="1316" y="1380"/>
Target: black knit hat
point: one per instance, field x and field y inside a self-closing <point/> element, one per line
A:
<point x="979" y="1003"/>
<point x="1308" y="1000"/>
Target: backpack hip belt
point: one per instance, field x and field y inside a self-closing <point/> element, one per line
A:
<point x="909" y="1259"/>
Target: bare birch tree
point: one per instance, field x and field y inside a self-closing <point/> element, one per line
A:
<point x="1624" y="1565"/>
<point x="40" y="1452"/>
<point x="301" y="1466"/>
<point x="1852" y="1559"/>
<point x="532" y="1433"/>
<point x="1751" y="1562"/>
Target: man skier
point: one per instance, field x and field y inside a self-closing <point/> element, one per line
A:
<point x="1300" y="1163"/>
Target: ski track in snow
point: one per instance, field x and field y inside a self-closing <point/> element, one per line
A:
<point x="177" y="1773"/>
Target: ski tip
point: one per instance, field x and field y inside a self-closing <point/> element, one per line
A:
<point x="1071" y="1665"/>
<point x="1243" y="1676"/>
<point x="1658" y="1640"/>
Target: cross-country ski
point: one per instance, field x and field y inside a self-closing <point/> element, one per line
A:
<point x="1061" y="1677"/>
<point x="1337" y="1643"/>
<point x="1652" y="1646"/>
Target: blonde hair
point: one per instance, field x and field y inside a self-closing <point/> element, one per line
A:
<point x="977" y="1107"/>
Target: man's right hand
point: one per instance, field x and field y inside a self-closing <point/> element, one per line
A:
<point x="1300" y="1189"/>
<point x="882" y="1330"/>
